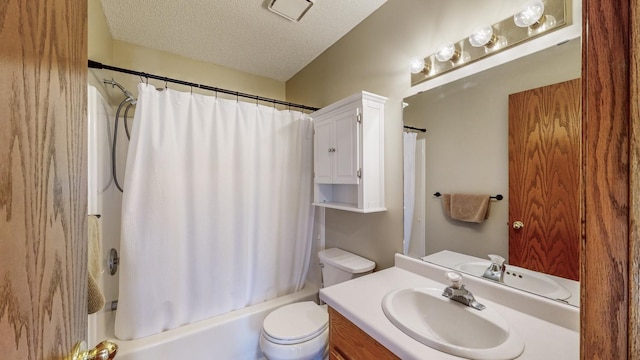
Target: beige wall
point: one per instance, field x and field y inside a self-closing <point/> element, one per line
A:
<point x="375" y="57"/>
<point x="99" y="37"/>
<point x="161" y="63"/>
<point x="100" y="43"/>
<point x="103" y="48"/>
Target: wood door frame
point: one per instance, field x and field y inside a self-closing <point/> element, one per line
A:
<point x="610" y="314"/>
<point x="634" y="184"/>
<point x="43" y="178"/>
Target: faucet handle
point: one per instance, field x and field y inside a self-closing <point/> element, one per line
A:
<point x="497" y="259"/>
<point x="455" y="278"/>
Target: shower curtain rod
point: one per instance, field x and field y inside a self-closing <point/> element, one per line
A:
<point x="415" y="128"/>
<point x="98" y="65"/>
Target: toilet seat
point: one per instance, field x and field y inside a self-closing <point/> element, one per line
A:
<point x="295" y="323"/>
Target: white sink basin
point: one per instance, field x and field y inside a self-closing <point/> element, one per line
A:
<point x="522" y="279"/>
<point x="451" y="327"/>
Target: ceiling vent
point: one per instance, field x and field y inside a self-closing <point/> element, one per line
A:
<point x="292" y="10"/>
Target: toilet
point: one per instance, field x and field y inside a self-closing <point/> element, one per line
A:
<point x="300" y="331"/>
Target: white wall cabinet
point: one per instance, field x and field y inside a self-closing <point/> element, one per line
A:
<point x="336" y="148"/>
<point x="349" y="154"/>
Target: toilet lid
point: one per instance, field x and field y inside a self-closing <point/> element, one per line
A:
<point x="295" y="323"/>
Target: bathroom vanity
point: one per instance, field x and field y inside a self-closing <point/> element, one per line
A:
<point x="349" y="342"/>
<point x="359" y="328"/>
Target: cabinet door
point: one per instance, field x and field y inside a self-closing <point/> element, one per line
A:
<point x="349" y="342"/>
<point x="323" y="151"/>
<point x="345" y="161"/>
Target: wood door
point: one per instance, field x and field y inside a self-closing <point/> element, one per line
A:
<point x="43" y="267"/>
<point x="544" y="179"/>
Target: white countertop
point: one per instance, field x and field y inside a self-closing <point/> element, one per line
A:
<point x="359" y="300"/>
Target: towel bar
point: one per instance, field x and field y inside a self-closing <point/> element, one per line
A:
<point x="497" y="197"/>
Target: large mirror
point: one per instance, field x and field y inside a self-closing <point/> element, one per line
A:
<point x="466" y="150"/>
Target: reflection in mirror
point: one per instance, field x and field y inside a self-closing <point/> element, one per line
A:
<point x="466" y="150"/>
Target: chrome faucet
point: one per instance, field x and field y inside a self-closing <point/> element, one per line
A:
<point x="496" y="270"/>
<point x="457" y="292"/>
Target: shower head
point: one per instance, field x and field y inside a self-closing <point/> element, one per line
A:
<point x="129" y="95"/>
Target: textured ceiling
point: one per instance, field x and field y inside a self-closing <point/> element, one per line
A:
<point x="240" y="34"/>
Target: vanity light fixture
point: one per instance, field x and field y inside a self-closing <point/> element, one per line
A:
<point x="483" y="37"/>
<point x="487" y="38"/>
<point x="448" y="52"/>
<point x="530" y="15"/>
<point x="535" y="18"/>
<point x="418" y="65"/>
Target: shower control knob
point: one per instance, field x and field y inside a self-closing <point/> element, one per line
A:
<point x="518" y="225"/>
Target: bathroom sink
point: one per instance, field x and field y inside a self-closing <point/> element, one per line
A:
<point x="451" y="327"/>
<point x="521" y="278"/>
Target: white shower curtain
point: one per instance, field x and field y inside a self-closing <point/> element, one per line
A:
<point x="216" y="212"/>
<point x="409" y="141"/>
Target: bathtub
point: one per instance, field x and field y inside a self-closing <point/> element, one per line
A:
<point x="232" y="336"/>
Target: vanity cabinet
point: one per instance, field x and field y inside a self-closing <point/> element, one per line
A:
<point x="348" y="342"/>
<point x="349" y="154"/>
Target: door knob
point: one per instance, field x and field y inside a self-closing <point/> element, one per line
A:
<point x="106" y="350"/>
<point x="518" y="225"/>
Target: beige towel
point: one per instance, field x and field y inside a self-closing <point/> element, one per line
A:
<point x="95" y="297"/>
<point x="466" y="207"/>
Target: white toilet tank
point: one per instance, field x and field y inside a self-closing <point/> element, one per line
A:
<point x="339" y="266"/>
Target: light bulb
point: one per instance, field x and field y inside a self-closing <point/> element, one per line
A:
<point x="530" y="14"/>
<point x="446" y="52"/>
<point x="481" y="37"/>
<point x="417" y="65"/>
